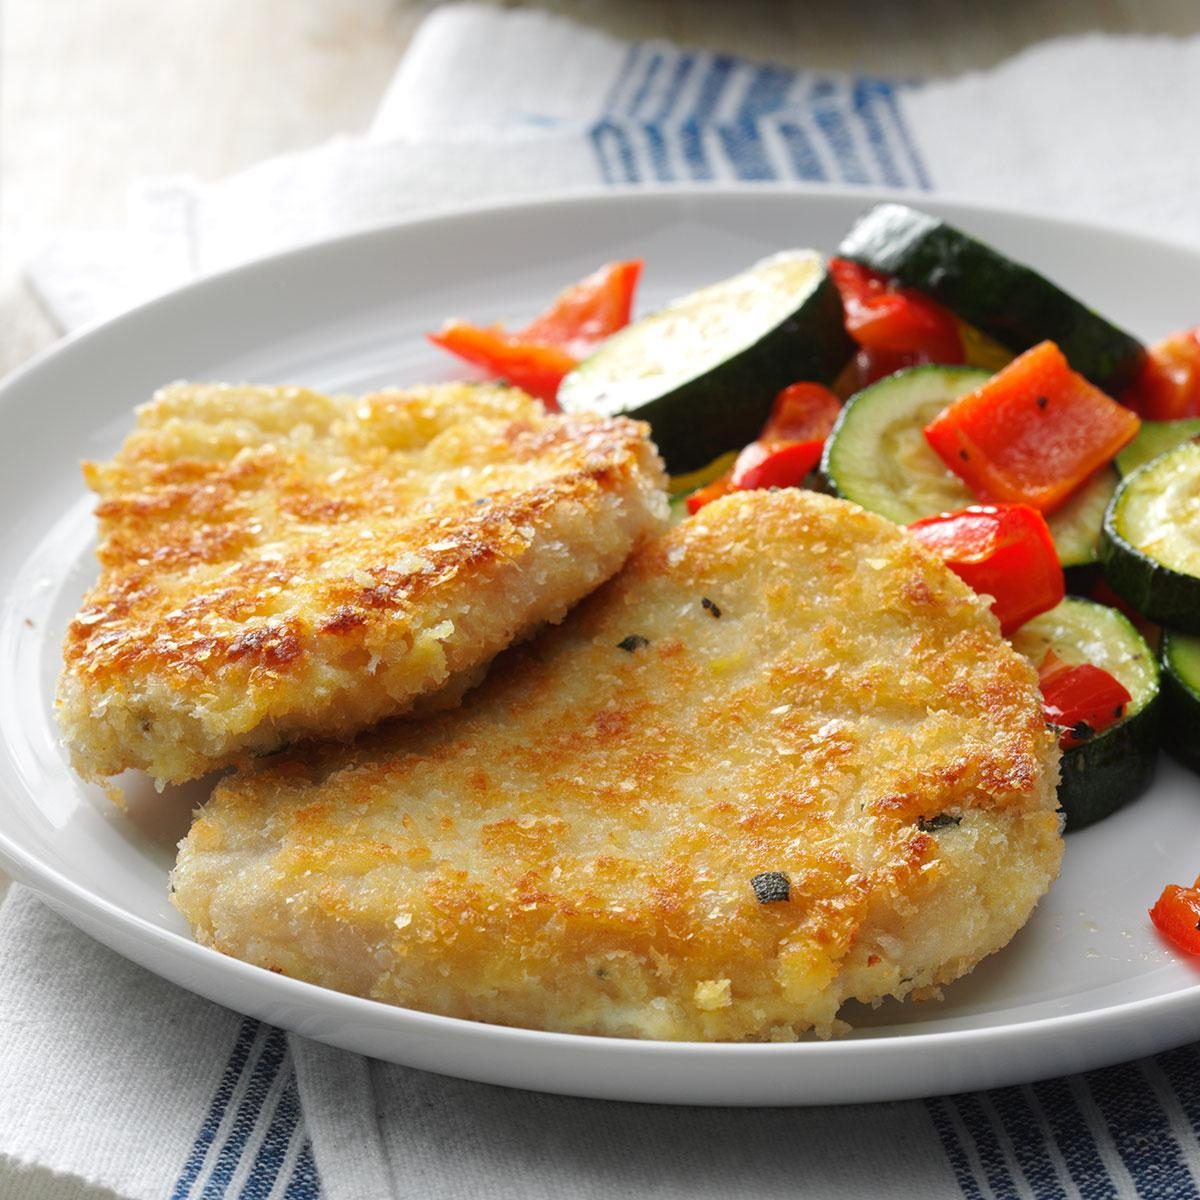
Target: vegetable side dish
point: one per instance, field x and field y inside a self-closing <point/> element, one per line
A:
<point x="1033" y="445"/>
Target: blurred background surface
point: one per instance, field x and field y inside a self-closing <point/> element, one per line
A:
<point x="97" y="93"/>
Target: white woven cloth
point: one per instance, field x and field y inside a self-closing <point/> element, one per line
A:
<point x="490" y="104"/>
<point x="115" y="1083"/>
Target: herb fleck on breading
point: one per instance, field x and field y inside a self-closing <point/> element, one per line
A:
<point x="934" y="823"/>
<point x="710" y="606"/>
<point x="770" y="887"/>
<point x="633" y="642"/>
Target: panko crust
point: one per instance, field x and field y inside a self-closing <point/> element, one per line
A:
<point x="278" y="564"/>
<point x="783" y="683"/>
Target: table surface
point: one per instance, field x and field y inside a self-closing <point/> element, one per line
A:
<point x="97" y="93"/>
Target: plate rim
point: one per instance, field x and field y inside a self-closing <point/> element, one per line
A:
<point x="582" y="196"/>
<point x="71" y="898"/>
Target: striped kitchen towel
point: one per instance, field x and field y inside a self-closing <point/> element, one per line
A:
<point x="115" y="1083"/>
<point x="467" y="120"/>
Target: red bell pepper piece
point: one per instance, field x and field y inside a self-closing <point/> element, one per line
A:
<point x="589" y="311"/>
<point x="889" y="320"/>
<point x="1002" y="551"/>
<point x="1032" y="433"/>
<point x="870" y="366"/>
<point x="1168" y="385"/>
<point x="710" y="492"/>
<point x="786" y="451"/>
<point x="537" y="369"/>
<point x="1083" y="699"/>
<point x="764" y="464"/>
<point x="1176" y="915"/>
<point x="802" y="412"/>
<point x="537" y="357"/>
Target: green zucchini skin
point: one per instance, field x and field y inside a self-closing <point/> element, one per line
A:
<point x="1081" y="580"/>
<point x="1113" y="767"/>
<point x="877" y="457"/>
<point x="1161" y="593"/>
<point x="724" y="406"/>
<point x="1181" y="697"/>
<point x="1005" y="299"/>
<point x="1076" y="529"/>
<point x="1155" y="438"/>
<point x="1108" y="772"/>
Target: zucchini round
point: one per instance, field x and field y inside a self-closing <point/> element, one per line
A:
<point x="705" y="370"/>
<point x="1181" y="697"/>
<point x="878" y="457"/>
<point x="1151" y="541"/>
<point x="1005" y="299"/>
<point x="1155" y="438"/>
<point x="1116" y="764"/>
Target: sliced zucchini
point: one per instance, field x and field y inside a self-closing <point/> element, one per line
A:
<point x="878" y="457"/>
<point x="1181" y="697"/>
<point x="877" y="454"/>
<point x="705" y="369"/>
<point x="1155" y="438"/>
<point x="1151" y="541"/>
<point x="1005" y="299"/>
<point x="1116" y="764"/>
<point x="1076" y="525"/>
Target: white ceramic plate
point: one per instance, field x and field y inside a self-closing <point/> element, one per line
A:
<point x="1086" y="983"/>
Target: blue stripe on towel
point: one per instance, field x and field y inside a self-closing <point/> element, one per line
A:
<point x="646" y="86"/>
<point x="866" y="94"/>
<point x="248" y="1114"/>
<point x="216" y="1109"/>
<point x="744" y="149"/>
<point x="304" y="1183"/>
<point x="831" y="112"/>
<point x="806" y="163"/>
<point x="877" y="108"/>
<point x="654" y="105"/>
<point x="975" y="1142"/>
<point x="743" y="139"/>
<point x="1073" y="1136"/>
<point x="257" y="1060"/>
<point x="660" y="155"/>
<point x="1141" y="1132"/>
<point x="276" y="1142"/>
<point x="1182" y="1070"/>
<point x="691" y="132"/>
<point x="615" y="151"/>
<point x="680" y="73"/>
<point x="987" y="1145"/>
<point x="621" y="80"/>
<point x="960" y="1164"/>
<point x="1026" y="1140"/>
<point x="749" y="121"/>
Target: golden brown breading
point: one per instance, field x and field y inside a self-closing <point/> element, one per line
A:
<point x="783" y="687"/>
<point x="279" y="564"/>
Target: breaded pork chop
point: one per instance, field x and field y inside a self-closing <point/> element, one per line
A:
<point x="783" y="759"/>
<point x="279" y="564"/>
